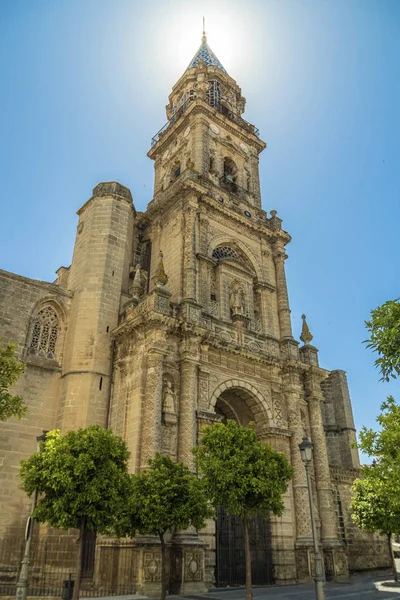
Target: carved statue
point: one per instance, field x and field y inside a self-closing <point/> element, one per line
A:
<point x="169" y="398"/>
<point x="236" y="301"/>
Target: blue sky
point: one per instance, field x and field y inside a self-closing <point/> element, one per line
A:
<point x="84" y="85"/>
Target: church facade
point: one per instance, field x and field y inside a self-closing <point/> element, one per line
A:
<point x="177" y="317"/>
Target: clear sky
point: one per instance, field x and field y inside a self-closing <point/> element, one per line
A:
<point x="84" y="84"/>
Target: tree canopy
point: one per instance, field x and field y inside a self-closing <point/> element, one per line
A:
<point x="82" y="480"/>
<point x="384" y="445"/>
<point x="11" y="370"/>
<point x="376" y="497"/>
<point x="384" y="329"/>
<point x="164" y="497"/>
<point x="243" y="475"/>
<point x="375" y="505"/>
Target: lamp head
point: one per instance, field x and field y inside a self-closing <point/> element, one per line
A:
<point x="42" y="437"/>
<point x="306" y="450"/>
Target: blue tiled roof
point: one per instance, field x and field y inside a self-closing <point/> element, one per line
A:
<point x="205" y="53"/>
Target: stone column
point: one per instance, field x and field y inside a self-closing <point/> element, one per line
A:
<point x="151" y="423"/>
<point x="201" y="155"/>
<point x="188" y="401"/>
<point x="329" y="532"/>
<point x="189" y="254"/>
<point x="299" y="481"/>
<point x="281" y="291"/>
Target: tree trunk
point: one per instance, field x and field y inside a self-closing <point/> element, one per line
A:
<point x="163" y="567"/>
<point x="247" y="555"/>
<point x="79" y="554"/>
<point x="391" y="553"/>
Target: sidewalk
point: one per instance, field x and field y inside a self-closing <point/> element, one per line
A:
<point x="369" y="586"/>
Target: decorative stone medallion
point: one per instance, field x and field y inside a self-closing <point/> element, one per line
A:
<point x="166" y="154"/>
<point x="244" y="148"/>
<point x="214" y="128"/>
<point x="186" y="132"/>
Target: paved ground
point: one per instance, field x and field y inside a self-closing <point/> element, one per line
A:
<point x="360" y="587"/>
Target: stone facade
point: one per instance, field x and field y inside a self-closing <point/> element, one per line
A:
<point x="178" y="317"/>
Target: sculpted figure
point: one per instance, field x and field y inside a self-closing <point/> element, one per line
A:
<point x="169" y="398"/>
<point x="236" y="301"/>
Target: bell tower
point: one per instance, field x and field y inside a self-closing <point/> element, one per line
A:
<point x="205" y="332"/>
<point x="207" y="133"/>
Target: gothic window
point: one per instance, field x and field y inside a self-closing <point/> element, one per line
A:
<point x="44" y="333"/>
<point x="224" y="252"/>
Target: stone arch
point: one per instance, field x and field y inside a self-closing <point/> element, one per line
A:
<point x="247" y="392"/>
<point x="220" y="239"/>
<point x="55" y="307"/>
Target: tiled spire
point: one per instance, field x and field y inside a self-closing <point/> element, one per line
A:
<point x="205" y="53"/>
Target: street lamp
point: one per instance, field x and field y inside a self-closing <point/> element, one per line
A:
<point x="306" y="451"/>
<point x="22" y="584"/>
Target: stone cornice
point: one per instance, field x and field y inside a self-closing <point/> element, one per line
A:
<point x="46" y="285"/>
<point x="344" y="474"/>
<point x="109" y="189"/>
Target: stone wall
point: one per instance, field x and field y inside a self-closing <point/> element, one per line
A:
<point x="20" y="300"/>
<point x="339" y="422"/>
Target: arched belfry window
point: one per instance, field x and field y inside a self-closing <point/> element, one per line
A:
<point x="44" y="333"/>
<point x="213" y="94"/>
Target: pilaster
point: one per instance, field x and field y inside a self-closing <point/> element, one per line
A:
<point x="329" y="527"/>
<point x="188" y="399"/>
<point x="151" y="424"/>
<point x="281" y="291"/>
<point x="189" y="252"/>
<point x="299" y="481"/>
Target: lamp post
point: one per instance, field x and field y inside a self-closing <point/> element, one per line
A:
<point x="22" y="583"/>
<point x="306" y="450"/>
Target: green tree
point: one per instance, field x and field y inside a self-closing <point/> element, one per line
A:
<point x="82" y="480"/>
<point x="376" y="502"/>
<point x="384" y="329"/>
<point x="11" y="370"/>
<point x="243" y="475"/>
<point x="164" y="497"/>
<point x="375" y="506"/>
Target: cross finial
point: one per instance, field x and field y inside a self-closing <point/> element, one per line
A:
<point x="204" y="30"/>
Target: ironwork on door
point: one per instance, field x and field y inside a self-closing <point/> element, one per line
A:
<point x="230" y="560"/>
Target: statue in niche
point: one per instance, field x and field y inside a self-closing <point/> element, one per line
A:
<point x="169" y="398"/>
<point x="304" y="427"/>
<point x="236" y="300"/>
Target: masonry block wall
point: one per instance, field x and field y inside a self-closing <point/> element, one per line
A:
<point x="20" y="300"/>
<point x="99" y="274"/>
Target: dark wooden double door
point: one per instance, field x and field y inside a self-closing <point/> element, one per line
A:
<point x="230" y="567"/>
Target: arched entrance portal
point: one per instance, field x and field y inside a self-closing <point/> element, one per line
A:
<point x="241" y="405"/>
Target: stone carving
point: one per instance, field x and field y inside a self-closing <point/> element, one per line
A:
<point x="152" y="566"/>
<point x="136" y="288"/>
<point x="168" y="398"/>
<point x="193" y="567"/>
<point x="160" y="277"/>
<point x="163" y="305"/>
<point x="236" y="299"/>
<point x="278" y="413"/>
<point x="306" y="336"/>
